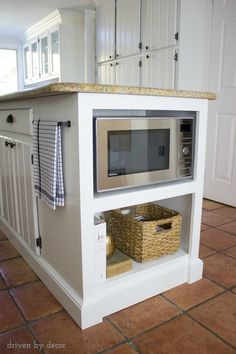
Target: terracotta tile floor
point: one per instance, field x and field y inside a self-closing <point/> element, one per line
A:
<point x="196" y="318"/>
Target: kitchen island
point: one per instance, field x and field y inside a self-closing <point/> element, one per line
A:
<point x="59" y="244"/>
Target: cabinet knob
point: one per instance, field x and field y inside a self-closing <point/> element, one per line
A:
<point x="7" y="143"/>
<point x="110" y="56"/>
<point x="147" y="56"/>
<point x="147" y="47"/>
<point x="12" y="145"/>
<point x="111" y="64"/>
<point x="117" y="63"/>
<point x="10" y="118"/>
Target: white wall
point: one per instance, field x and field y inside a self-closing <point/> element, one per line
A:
<point x="194" y="44"/>
<point x="8" y="42"/>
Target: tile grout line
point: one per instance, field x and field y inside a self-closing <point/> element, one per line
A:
<point x="186" y="312"/>
<point x="211" y="331"/>
<point x="10" y="287"/>
<point x="9" y="259"/>
<point x="199" y="304"/>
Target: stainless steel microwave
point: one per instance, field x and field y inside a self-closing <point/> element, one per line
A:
<point x="136" y="151"/>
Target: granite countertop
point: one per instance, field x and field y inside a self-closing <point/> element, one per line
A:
<point x="68" y="88"/>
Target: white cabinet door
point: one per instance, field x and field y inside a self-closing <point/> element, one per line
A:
<point x="127" y="27"/>
<point x="106" y="74"/>
<point x="19" y="203"/>
<point x="8" y="184"/>
<point x="27" y="63"/>
<point x="128" y="72"/>
<point x="220" y="174"/>
<point x="158" y="69"/>
<point x="44" y="55"/>
<point x="54" y="53"/>
<point x="105" y="31"/>
<point x="35" y="59"/>
<point x="158" y="24"/>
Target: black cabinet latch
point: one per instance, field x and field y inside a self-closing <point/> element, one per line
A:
<point x="39" y="242"/>
<point x="10" y="118"/>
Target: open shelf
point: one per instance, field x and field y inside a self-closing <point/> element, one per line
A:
<point x="122" y="198"/>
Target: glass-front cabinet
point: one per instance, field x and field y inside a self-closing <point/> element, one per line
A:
<point x="44" y="53"/>
<point x="42" y="57"/>
<point x="55" y="53"/>
<point x="35" y="59"/>
<point x="27" y="63"/>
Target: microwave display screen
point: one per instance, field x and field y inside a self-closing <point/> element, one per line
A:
<point x="136" y="151"/>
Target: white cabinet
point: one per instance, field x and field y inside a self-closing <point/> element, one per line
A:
<point x="127" y="27"/>
<point x="18" y="202"/>
<point x="41" y="57"/>
<point x="67" y="262"/>
<point x="105" y="30"/>
<point x="159" y="66"/>
<point x="128" y="72"/>
<point x="35" y="59"/>
<point x="106" y="73"/>
<point x="120" y="72"/>
<point x="158" y="25"/>
<point x="132" y="30"/>
<point x="54" y="49"/>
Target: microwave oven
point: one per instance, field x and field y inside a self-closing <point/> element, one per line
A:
<point x="136" y="151"/>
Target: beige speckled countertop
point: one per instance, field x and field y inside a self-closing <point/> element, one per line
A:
<point x="68" y="88"/>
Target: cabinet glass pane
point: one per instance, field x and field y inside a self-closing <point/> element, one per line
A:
<point x="44" y="55"/>
<point x="27" y="62"/>
<point x="35" y="59"/>
<point x="55" y="51"/>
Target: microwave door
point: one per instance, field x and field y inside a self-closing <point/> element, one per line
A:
<point x="133" y="152"/>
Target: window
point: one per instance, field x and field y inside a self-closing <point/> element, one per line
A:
<point x="8" y="71"/>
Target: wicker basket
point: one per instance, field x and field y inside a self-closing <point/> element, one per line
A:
<point x="145" y="231"/>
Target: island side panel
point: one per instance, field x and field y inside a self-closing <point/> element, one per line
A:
<point x="60" y="228"/>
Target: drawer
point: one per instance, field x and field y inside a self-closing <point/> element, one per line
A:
<point x="22" y="120"/>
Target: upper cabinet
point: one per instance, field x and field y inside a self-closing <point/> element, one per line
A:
<point x="158" y="25"/>
<point x="54" y="49"/>
<point x="137" y="42"/>
<point x="127" y="27"/>
<point x="105" y="30"/>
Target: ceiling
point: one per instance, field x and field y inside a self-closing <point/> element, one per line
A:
<point x="18" y="15"/>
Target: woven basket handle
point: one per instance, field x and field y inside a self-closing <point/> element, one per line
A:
<point x="164" y="222"/>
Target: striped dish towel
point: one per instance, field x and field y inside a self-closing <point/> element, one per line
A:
<point x="47" y="164"/>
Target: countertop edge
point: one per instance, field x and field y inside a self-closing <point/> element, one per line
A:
<point x="57" y="89"/>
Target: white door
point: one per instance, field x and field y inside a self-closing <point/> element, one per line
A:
<point x="128" y="72"/>
<point x="158" y="69"/>
<point x="105" y="31"/>
<point x="158" y="24"/>
<point x="127" y="27"/>
<point x="220" y="177"/>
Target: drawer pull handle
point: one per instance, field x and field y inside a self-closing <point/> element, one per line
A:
<point x="10" y="119"/>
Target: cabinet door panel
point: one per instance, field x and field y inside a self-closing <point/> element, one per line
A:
<point x="3" y="170"/>
<point x="128" y="72"/>
<point x="127" y="27"/>
<point x="8" y="185"/>
<point x="105" y="30"/>
<point x="106" y="74"/>
<point x="24" y="190"/>
<point x="18" y="201"/>
<point x="35" y="59"/>
<point x="44" y="56"/>
<point x="158" y="69"/>
<point x="158" y="23"/>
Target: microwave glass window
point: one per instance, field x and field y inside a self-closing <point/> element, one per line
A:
<point x="136" y="151"/>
